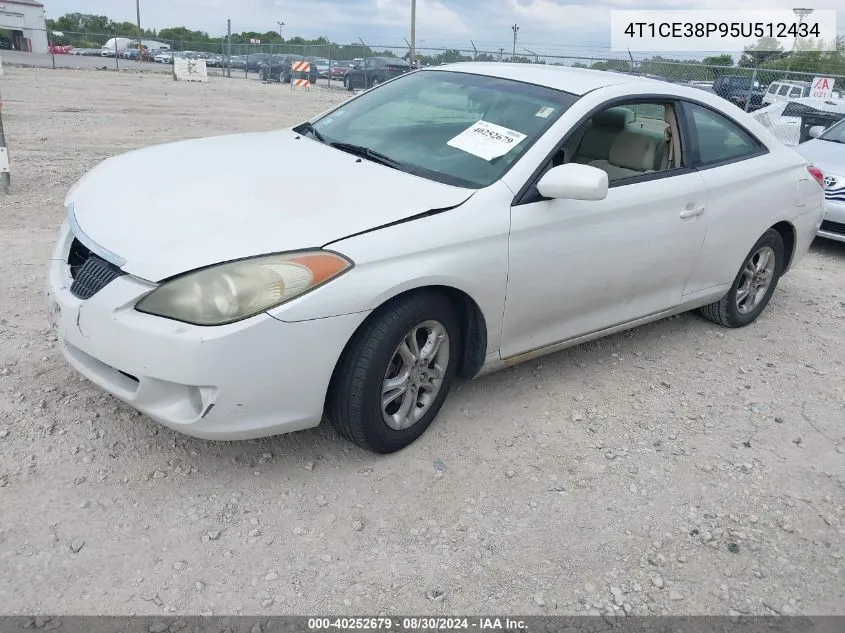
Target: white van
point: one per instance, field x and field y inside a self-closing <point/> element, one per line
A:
<point x="786" y="89"/>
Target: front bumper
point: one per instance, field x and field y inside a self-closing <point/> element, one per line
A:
<point x="255" y="378"/>
<point x="833" y="224"/>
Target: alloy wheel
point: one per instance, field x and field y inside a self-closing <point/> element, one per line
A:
<point x="757" y="275"/>
<point x="415" y="375"/>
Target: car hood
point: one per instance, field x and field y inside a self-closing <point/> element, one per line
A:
<point x="223" y="198"/>
<point x="826" y="155"/>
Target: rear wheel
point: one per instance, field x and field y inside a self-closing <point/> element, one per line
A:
<point x="754" y="284"/>
<point x="347" y="83"/>
<point x="396" y="373"/>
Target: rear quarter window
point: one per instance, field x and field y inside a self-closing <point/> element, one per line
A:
<point x="716" y="139"/>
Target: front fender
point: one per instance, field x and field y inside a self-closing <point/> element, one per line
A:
<point x="465" y="248"/>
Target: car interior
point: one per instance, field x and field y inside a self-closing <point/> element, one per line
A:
<point x="626" y="141"/>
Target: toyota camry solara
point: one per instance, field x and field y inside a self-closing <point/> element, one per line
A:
<point x="479" y="215"/>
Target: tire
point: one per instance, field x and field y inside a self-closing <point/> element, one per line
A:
<point x="375" y="82"/>
<point x="739" y="307"/>
<point x="262" y="75"/>
<point x="347" y="83"/>
<point x="373" y="358"/>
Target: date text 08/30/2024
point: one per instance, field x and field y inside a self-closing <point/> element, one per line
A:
<point x="415" y="624"/>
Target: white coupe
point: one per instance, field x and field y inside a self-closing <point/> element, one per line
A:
<point x="480" y="215"/>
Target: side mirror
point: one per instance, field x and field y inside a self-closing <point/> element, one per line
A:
<point x="574" y="181"/>
<point x="815" y="131"/>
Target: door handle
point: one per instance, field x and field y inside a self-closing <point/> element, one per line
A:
<point x="692" y="210"/>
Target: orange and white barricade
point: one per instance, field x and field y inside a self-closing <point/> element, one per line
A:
<point x="297" y="68"/>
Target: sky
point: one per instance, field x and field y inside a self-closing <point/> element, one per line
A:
<point x="544" y="25"/>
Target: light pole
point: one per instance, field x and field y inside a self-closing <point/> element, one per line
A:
<point x="138" y="14"/>
<point x="800" y="14"/>
<point x="281" y="26"/>
<point x="515" y="29"/>
<point x="413" y="33"/>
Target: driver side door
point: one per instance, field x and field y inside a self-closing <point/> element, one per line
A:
<point x="579" y="267"/>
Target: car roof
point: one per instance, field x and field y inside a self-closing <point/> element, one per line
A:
<point x="578" y="81"/>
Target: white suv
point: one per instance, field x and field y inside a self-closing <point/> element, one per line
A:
<point x="783" y="90"/>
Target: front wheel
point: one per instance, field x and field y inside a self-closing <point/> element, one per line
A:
<point x="347" y="83"/>
<point x="396" y="373"/>
<point x="754" y="284"/>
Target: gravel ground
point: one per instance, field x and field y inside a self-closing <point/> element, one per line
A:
<point x="678" y="468"/>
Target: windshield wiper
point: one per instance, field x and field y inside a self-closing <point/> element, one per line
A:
<point x="309" y="127"/>
<point x="370" y="154"/>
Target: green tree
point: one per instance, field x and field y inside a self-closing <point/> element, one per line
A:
<point x="718" y="60"/>
<point x="765" y="50"/>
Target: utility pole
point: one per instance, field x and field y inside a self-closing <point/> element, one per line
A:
<point x="501" y="53"/>
<point x="413" y="33"/>
<point x="138" y="13"/>
<point x="281" y="26"/>
<point x="229" y="48"/>
<point x="515" y="29"/>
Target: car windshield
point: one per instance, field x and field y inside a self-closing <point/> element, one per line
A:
<point x="835" y="133"/>
<point x="456" y="128"/>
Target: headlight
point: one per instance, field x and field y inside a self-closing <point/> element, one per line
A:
<point x="236" y="290"/>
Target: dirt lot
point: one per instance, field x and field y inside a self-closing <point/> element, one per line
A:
<point x="677" y="468"/>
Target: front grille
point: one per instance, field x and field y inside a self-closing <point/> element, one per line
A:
<point x="833" y="227"/>
<point x="77" y="256"/>
<point x="835" y="195"/>
<point x="92" y="276"/>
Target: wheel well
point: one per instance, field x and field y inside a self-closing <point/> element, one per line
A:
<point x="473" y="329"/>
<point x="787" y="234"/>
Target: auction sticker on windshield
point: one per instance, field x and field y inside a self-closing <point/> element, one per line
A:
<point x="486" y="140"/>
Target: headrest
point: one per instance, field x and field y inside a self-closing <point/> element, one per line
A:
<point x="616" y="118"/>
<point x="633" y="151"/>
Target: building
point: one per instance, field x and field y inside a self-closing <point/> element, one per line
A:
<point x="23" y="25"/>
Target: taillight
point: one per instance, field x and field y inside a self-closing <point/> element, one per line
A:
<point x="816" y="173"/>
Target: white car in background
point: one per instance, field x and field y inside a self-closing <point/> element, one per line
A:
<point x="785" y="119"/>
<point x="480" y="215"/>
<point x="827" y="151"/>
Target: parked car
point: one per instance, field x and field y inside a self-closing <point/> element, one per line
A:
<point x="215" y="61"/>
<point x="323" y="65"/>
<point x="165" y="57"/>
<point x="280" y="68"/>
<point x="374" y="71"/>
<point x="790" y="121"/>
<point x="129" y="53"/>
<point x="826" y="150"/>
<point x="786" y="89"/>
<point x="469" y="227"/>
<point x="254" y="61"/>
<point x="738" y="89"/>
<point x="338" y="70"/>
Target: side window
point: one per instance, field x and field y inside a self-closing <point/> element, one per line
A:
<point x="795" y="92"/>
<point x="719" y="139"/>
<point x="784" y="90"/>
<point x="626" y="141"/>
<point x="773" y="89"/>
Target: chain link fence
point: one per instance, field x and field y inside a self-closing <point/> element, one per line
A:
<point x="757" y="82"/>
